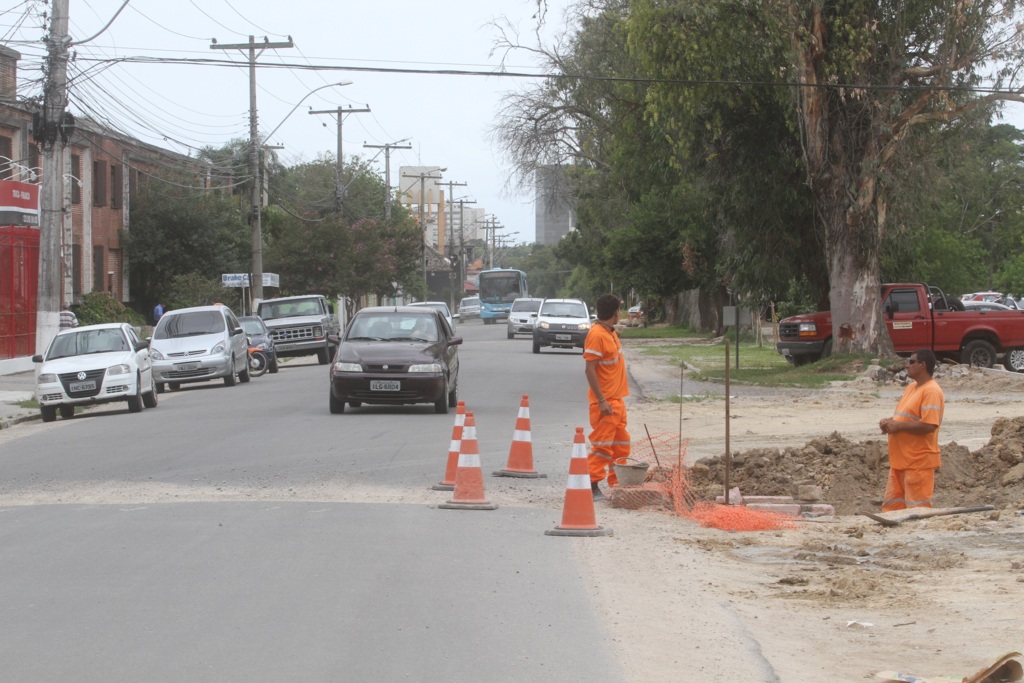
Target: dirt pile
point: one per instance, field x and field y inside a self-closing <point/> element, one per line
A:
<point x="852" y="474"/>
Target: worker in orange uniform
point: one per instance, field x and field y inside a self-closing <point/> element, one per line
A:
<point x="606" y="379"/>
<point x="914" y="437"/>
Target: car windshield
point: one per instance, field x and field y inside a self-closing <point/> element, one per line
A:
<point x="526" y="306"/>
<point x="289" y="309"/>
<point x="87" y="341"/>
<point x="564" y="309"/>
<point x="189" y="324"/>
<point x="393" y="327"/>
<point x="252" y="325"/>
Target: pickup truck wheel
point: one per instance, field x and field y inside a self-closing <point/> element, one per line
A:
<point x="826" y="350"/>
<point x="1013" y="360"/>
<point x="804" y="360"/>
<point x="324" y="355"/>
<point x="978" y="353"/>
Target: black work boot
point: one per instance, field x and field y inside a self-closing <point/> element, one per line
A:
<point x="596" y="490"/>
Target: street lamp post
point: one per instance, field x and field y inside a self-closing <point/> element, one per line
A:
<point x="256" y="197"/>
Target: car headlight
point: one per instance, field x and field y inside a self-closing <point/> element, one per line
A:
<point x="219" y="348"/>
<point x="584" y="326"/>
<point x="808" y="329"/>
<point x="122" y="369"/>
<point x="155" y="355"/>
<point x="348" y="367"/>
<point x="425" y="367"/>
<point x="318" y="330"/>
<point x="543" y="325"/>
<point x="47" y="378"/>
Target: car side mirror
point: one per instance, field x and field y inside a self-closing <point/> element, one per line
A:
<point x="455" y="341"/>
<point x="237" y="331"/>
<point x="37" y="358"/>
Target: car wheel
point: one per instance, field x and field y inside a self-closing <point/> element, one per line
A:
<point x="1014" y="360"/>
<point x="273" y="366"/>
<point x="135" y="402"/>
<point x="826" y="350"/>
<point x="336" y="404"/>
<point x="536" y="346"/>
<point x="441" y="406"/>
<point x="48" y="413"/>
<point x="978" y="353"/>
<point x="160" y="387"/>
<point x="243" y="375"/>
<point x="511" y="335"/>
<point x="229" y="380"/>
<point x="67" y="412"/>
<point x="453" y="396"/>
<point x="324" y="355"/>
<point x="149" y="399"/>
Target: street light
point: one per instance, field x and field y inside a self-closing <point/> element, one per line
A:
<point x="256" y="281"/>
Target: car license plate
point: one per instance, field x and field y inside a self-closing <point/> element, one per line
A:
<point x="563" y="337"/>
<point x="187" y="366"/>
<point x="82" y="386"/>
<point x="385" y="385"/>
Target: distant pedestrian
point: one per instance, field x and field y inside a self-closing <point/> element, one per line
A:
<point x="68" y="319"/>
<point x="158" y="312"/>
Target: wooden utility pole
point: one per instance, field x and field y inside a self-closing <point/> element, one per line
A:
<point x="339" y="187"/>
<point x="491" y="225"/>
<point x="256" y="199"/>
<point x="462" y="242"/>
<point x="387" y="171"/>
<point x="423" y="218"/>
<point x="53" y="132"/>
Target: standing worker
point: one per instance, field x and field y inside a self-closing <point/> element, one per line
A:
<point x="607" y="387"/>
<point x="914" y="437"/>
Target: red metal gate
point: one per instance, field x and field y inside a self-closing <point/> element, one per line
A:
<point x="19" y="284"/>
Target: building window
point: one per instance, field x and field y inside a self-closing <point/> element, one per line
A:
<point x="99" y="183"/>
<point x="99" y="274"/>
<point x="116" y="189"/>
<point x="76" y="267"/>
<point x="7" y="152"/>
<point x="76" y="180"/>
<point x="34" y="162"/>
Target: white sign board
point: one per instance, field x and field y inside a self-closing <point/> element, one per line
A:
<point x="242" y="279"/>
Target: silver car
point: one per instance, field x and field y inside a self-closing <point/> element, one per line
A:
<point x="522" y="315"/>
<point x="199" y="344"/>
<point x="469" y="307"/>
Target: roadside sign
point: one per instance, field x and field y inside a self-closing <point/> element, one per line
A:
<point x="242" y="279"/>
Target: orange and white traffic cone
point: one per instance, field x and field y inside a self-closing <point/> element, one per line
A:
<point x="520" y="455"/>
<point x="578" y="517"/>
<point x="469" y="478"/>
<point x="448" y="483"/>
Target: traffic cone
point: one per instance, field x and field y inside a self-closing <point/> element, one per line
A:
<point x="578" y="517"/>
<point x="520" y="455"/>
<point x="469" y="478"/>
<point x="448" y="483"/>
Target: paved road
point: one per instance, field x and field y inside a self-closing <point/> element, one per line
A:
<point x="246" y="534"/>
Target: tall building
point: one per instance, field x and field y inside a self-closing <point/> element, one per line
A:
<point x="555" y="215"/>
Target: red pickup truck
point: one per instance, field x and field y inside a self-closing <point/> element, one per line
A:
<point x="918" y="317"/>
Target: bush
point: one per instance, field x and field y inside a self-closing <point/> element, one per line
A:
<point x="101" y="307"/>
<point x="194" y="289"/>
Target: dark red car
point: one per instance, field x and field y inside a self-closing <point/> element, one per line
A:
<point x="396" y="355"/>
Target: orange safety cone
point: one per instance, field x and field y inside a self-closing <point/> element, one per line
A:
<point x="520" y="455"/>
<point x="578" y="517"/>
<point x="469" y="478"/>
<point x="448" y="483"/>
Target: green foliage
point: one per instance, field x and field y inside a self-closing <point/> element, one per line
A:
<point x="194" y="289"/>
<point x="101" y="307"/>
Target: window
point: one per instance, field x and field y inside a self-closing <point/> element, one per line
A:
<point x="99" y="183"/>
<point x="116" y="183"/>
<point x="99" y="280"/>
<point x="6" y="151"/>
<point x="902" y="301"/>
<point x="76" y="171"/>
<point x="76" y="267"/>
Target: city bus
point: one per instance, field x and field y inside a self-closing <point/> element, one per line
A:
<point x="498" y="289"/>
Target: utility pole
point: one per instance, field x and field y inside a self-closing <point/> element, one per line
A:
<point x="53" y="129"/>
<point x="423" y="218"/>
<point x="491" y="225"/>
<point x="339" y="188"/>
<point x="462" y="242"/>
<point x="256" y="198"/>
<point x="451" y="209"/>
<point x="451" y="213"/>
<point x="387" y="171"/>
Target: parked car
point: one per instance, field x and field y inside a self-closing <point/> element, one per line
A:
<point x="561" y="324"/>
<point x="94" y="364"/>
<point x="396" y="355"/>
<point x="259" y="336"/>
<point x="441" y="306"/>
<point x="199" y="344"/>
<point x="982" y="296"/>
<point x="985" y="306"/>
<point x="469" y="307"/>
<point x="303" y="325"/>
<point x="521" y="316"/>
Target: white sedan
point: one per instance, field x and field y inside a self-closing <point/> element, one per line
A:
<point x="91" y="365"/>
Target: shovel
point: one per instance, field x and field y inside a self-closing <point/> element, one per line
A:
<point x="901" y="516"/>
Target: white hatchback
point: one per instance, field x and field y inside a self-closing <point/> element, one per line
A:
<point x="91" y="365"/>
<point x="522" y="315"/>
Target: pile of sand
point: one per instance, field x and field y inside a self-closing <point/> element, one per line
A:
<point x="852" y="474"/>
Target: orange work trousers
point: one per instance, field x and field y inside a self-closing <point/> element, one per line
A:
<point x="909" y="489"/>
<point x="609" y="441"/>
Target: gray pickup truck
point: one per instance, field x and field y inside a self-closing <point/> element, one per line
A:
<point x="302" y="326"/>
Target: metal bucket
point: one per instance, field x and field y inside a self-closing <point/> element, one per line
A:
<point x="630" y="474"/>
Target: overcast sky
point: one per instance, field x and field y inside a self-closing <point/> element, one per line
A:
<point x="447" y="119"/>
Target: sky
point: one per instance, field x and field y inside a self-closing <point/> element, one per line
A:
<point x="447" y="119"/>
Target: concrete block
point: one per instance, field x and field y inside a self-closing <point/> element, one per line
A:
<point x="817" y="510"/>
<point x="793" y="509"/>
<point x="636" y="497"/>
<point x="808" y="493"/>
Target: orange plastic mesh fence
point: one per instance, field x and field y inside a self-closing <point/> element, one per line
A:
<point x="667" y="487"/>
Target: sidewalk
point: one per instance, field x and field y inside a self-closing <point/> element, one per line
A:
<point x="19" y="386"/>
